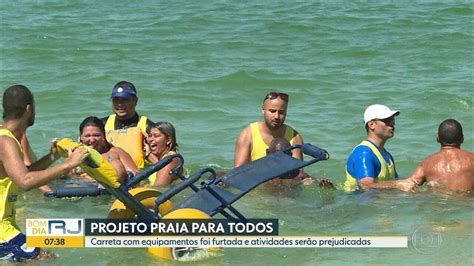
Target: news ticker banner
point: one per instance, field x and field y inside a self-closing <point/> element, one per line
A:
<point x="103" y="233"/>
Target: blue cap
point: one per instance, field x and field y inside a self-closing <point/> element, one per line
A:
<point x="124" y="91"/>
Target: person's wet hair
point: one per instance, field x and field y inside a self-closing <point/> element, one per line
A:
<point x="92" y="121"/>
<point x="450" y="133"/>
<point x="168" y="130"/>
<point x="15" y="100"/>
<point x="273" y="95"/>
<point x="95" y="122"/>
<point x="278" y="144"/>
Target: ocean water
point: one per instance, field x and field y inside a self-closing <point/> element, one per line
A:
<point x="206" y="66"/>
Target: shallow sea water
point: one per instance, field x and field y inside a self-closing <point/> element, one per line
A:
<point x="206" y="67"/>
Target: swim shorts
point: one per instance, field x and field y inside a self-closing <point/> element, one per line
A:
<point x="16" y="250"/>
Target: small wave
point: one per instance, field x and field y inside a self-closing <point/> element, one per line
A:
<point x="466" y="10"/>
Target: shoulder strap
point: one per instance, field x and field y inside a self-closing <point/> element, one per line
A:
<point x="110" y="124"/>
<point x="289" y="134"/>
<point x="375" y="150"/>
<point x="259" y="147"/>
<point x="8" y="133"/>
<point x="142" y="123"/>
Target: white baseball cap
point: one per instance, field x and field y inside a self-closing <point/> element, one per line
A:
<point x="378" y="111"/>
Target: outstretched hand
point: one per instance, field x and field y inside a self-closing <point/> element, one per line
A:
<point x="307" y="181"/>
<point x="323" y="182"/>
<point x="77" y="156"/>
<point x="407" y="185"/>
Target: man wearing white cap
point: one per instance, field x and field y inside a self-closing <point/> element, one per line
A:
<point x="369" y="162"/>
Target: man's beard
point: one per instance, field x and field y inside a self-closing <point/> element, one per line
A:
<point x="31" y="121"/>
<point x="273" y="127"/>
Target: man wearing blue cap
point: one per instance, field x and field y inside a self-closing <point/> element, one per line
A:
<point x="125" y="128"/>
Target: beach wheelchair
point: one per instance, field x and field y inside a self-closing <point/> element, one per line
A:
<point x="208" y="198"/>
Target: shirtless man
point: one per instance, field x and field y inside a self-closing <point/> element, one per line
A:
<point x="450" y="167"/>
<point x="253" y="141"/>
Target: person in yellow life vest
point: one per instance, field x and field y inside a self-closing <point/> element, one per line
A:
<point x="19" y="114"/>
<point x="162" y="143"/>
<point x="253" y="141"/>
<point x="369" y="162"/>
<point x="125" y="128"/>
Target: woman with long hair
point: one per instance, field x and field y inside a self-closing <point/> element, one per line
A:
<point x="162" y="143"/>
<point x="92" y="133"/>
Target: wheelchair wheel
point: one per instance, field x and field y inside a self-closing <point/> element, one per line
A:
<point x="183" y="253"/>
<point x="146" y="196"/>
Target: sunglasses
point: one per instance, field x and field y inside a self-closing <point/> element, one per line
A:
<point x="273" y="95"/>
<point x="387" y="121"/>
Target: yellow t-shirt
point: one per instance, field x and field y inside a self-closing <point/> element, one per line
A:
<point x="259" y="147"/>
<point x="8" y="197"/>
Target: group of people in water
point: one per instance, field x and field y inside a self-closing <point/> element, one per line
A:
<point x="370" y="165"/>
<point x="125" y="139"/>
<point x="130" y="142"/>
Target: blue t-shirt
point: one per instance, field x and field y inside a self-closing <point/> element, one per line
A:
<point x="362" y="162"/>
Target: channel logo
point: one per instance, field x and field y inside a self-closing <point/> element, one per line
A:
<point x="426" y="240"/>
<point x="55" y="233"/>
<point x="54" y="227"/>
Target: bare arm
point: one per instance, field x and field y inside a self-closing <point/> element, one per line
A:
<point x="127" y="161"/>
<point x="28" y="154"/>
<point x="306" y="179"/>
<point x="418" y="175"/>
<point x="416" y="179"/>
<point x="29" y="158"/>
<point x="16" y="170"/>
<point x="367" y="183"/>
<point x="46" y="160"/>
<point x="297" y="139"/>
<point x="243" y="147"/>
<point x="163" y="176"/>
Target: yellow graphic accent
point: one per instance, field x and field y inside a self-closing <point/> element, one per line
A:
<point x="55" y="241"/>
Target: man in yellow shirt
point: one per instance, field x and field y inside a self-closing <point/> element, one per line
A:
<point x="253" y="141"/>
<point x="18" y="114"/>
